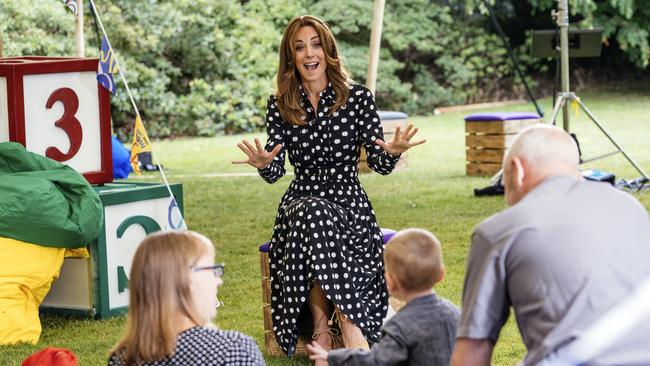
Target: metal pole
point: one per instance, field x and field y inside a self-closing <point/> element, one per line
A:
<point x="611" y="139"/>
<point x="375" y="43"/>
<point x="561" y="100"/>
<point x="122" y="74"/>
<point x="79" y="30"/>
<point x="0" y="44"/>
<point x="563" y="23"/>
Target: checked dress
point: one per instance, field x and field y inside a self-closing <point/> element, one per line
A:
<point x="325" y="228"/>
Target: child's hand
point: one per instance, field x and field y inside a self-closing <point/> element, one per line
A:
<point x="316" y="352"/>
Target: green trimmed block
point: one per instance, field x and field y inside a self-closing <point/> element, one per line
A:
<point x="97" y="287"/>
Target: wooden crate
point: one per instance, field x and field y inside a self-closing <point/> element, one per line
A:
<point x="389" y="123"/>
<point x="487" y="140"/>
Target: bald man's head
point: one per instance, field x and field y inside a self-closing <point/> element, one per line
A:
<point x="537" y="153"/>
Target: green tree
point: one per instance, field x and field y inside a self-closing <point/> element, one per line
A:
<point x="204" y="67"/>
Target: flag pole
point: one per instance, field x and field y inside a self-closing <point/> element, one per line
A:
<point x="79" y="30"/>
<point x="122" y="74"/>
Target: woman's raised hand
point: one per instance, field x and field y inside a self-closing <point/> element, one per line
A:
<point x="401" y="141"/>
<point x="257" y="156"/>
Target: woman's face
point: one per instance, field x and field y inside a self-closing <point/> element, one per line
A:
<point x="204" y="286"/>
<point x="309" y="56"/>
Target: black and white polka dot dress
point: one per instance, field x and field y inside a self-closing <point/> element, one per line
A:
<point x="325" y="227"/>
<point x="206" y="346"/>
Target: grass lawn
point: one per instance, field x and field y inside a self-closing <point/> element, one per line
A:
<point x="237" y="213"/>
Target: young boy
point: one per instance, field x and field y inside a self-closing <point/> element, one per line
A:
<point x="423" y="332"/>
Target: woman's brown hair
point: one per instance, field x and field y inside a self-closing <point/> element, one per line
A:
<point x="159" y="291"/>
<point x="289" y="79"/>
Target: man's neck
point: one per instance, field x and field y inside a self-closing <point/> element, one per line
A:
<point x="539" y="178"/>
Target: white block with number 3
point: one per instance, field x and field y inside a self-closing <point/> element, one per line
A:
<point x="41" y="132"/>
<point x="55" y="107"/>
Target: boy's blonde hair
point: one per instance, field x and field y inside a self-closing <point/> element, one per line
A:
<point x="414" y="258"/>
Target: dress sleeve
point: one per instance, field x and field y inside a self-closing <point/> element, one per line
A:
<point x="275" y="136"/>
<point x="391" y="350"/>
<point x="485" y="299"/>
<point x="378" y="160"/>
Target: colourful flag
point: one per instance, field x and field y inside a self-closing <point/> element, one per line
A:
<point x="107" y="66"/>
<point x="72" y="5"/>
<point x="141" y="143"/>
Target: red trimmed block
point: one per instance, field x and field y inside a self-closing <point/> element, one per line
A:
<point x="54" y="107"/>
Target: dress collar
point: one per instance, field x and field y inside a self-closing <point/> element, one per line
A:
<point x="328" y="94"/>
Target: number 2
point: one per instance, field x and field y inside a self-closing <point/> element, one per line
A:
<point x="68" y="123"/>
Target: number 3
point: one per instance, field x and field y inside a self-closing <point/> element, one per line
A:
<point x="68" y="123"/>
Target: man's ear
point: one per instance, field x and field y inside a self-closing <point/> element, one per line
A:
<point x="518" y="173"/>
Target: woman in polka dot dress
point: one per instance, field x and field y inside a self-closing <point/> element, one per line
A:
<point x="326" y="245"/>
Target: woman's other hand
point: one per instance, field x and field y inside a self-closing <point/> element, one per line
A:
<point x="401" y="141"/>
<point x="257" y="156"/>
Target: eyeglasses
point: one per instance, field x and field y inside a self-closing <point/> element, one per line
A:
<point x="217" y="269"/>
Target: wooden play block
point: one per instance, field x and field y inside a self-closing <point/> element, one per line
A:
<point x="499" y="127"/>
<point x="97" y="287"/>
<point x="502" y="142"/>
<point x="482" y="169"/>
<point x="489" y="135"/>
<point x="55" y="107"/>
<point x="485" y="155"/>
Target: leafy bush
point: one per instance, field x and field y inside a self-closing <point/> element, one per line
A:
<point x="204" y="67"/>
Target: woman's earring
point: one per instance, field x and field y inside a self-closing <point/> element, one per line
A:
<point x="219" y="303"/>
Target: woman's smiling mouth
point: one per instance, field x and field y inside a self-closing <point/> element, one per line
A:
<point x="311" y="66"/>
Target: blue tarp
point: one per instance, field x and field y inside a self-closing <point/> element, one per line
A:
<point x="121" y="160"/>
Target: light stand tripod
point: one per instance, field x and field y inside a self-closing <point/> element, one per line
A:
<point x="566" y="96"/>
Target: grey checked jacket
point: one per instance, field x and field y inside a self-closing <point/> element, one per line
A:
<point x="422" y="333"/>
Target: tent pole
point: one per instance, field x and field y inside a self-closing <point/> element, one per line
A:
<point x="375" y="44"/>
<point x="80" y="43"/>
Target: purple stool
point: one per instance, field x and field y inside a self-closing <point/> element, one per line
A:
<point x="488" y="135"/>
<point x="269" y="339"/>
<point x="501" y="116"/>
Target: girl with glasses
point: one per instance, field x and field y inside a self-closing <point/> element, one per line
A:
<point x="173" y="299"/>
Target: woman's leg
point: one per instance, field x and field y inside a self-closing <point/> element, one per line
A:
<point x="319" y="306"/>
<point x="352" y="335"/>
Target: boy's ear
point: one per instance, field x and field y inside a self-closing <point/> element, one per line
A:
<point x="391" y="283"/>
<point x="441" y="276"/>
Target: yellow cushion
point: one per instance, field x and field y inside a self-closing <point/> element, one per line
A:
<point x="26" y="275"/>
<point x="77" y="253"/>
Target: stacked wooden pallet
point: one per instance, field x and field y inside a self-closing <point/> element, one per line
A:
<point x="489" y="135"/>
